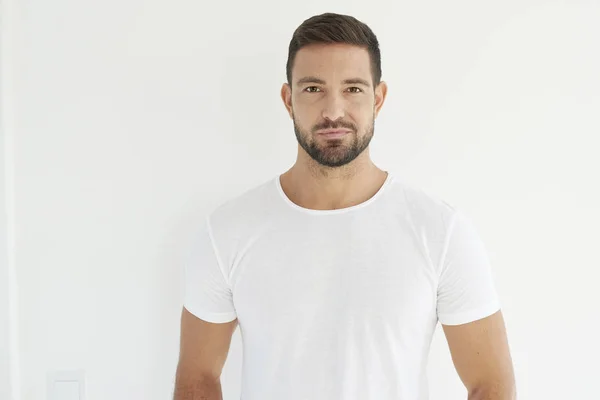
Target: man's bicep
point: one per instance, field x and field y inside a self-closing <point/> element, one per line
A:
<point x="480" y="353"/>
<point x="466" y="291"/>
<point x="203" y="351"/>
<point x="208" y="294"/>
<point x="204" y="346"/>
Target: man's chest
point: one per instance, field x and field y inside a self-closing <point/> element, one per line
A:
<point x="357" y="275"/>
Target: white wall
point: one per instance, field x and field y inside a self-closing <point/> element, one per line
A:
<point x="8" y="307"/>
<point x="134" y="118"/>
<point x="5" y="389"/>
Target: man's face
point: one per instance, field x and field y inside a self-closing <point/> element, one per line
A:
<point x="332" y="89"/>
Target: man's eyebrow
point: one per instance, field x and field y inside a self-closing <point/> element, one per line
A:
<point x="314" y="79"/>
<point x="356" y="81"/>
<point x="310" y="79"/>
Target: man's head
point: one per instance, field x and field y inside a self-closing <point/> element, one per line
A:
<point x="334" y="82"/>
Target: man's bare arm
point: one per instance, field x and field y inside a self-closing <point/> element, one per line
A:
<point x="203" y="350"/>
<point x="481" y="356"/>
<point x="197" y="389"/>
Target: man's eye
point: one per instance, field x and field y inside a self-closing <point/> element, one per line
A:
<point x="314" y="89"/>
<point x="308" y="89"/>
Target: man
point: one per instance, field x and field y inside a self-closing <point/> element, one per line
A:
<point x="336" y="271"/>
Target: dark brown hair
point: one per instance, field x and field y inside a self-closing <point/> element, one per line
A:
<point x="335" y="28"/>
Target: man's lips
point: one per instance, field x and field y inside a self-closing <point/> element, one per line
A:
<point x="333" y="133"/>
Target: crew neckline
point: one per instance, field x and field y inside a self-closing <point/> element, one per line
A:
<point x="365" y="203"/>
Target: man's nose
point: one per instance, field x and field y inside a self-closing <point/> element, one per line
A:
<point x="334" y="108"/>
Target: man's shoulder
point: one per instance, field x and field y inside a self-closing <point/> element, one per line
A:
<point x="245" y="208"/>
<point x="420" y="202"/>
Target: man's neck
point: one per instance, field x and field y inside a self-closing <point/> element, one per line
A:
<point x="330" y="189"/>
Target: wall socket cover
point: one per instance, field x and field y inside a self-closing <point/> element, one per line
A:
<point x="58" y="381"/>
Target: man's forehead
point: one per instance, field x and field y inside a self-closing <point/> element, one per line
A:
<point x="327" y="60"/>
<point x="326" y="51"/>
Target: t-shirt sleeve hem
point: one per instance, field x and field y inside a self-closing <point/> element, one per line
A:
<point x="217" y="318"/>
<point x="469" y="316"/>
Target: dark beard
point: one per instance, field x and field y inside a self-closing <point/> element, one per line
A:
<point x="336" y="152"/>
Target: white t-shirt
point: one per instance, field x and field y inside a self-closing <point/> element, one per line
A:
<point x="338" y="304"/>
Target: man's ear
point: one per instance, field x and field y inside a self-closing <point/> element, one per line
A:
<point x="286" y="96"/>
<point x="380" y="94"/>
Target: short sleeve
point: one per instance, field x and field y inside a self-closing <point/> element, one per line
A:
<point x="466" y="290"/>
<point x="207" y="291"/>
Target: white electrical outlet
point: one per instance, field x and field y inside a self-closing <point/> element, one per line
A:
<point x="66" y="385"/>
